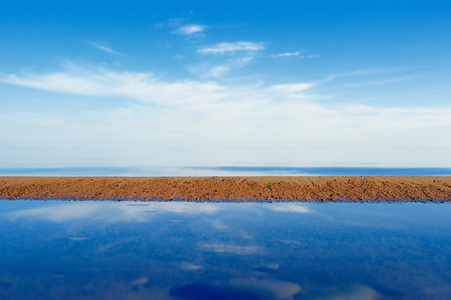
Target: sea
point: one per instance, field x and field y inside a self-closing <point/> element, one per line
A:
<point x="225" y="171"/>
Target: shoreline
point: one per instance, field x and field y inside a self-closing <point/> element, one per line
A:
<point x="241" y="188"/>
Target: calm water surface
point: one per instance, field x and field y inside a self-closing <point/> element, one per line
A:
<point x="227" y="171"/>
<point x="177" y="250"/>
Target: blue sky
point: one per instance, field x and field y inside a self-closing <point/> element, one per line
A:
<point x="210" y="83"/>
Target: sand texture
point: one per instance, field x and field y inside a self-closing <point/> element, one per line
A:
<point x="304" y="188"/>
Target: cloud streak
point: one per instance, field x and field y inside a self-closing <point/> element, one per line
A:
<point x="103" y="82"/>
<point x="286" y="54"/>
<point x="297" y="54"/>
<point x="224" y="47"/>
<point x="104" y="48"/>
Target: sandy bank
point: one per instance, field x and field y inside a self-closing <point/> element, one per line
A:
<point x="327" y="188"/>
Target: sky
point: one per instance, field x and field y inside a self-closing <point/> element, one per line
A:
<point x="225" y="83"/>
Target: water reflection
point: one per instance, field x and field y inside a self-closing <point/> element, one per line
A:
<point x="109" y="212"/>
<point x="179" y="250"/>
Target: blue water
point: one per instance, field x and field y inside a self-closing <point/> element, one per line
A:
<point x="336" y="171"/>
<point x="179" y="250"/>
<point x="226" y="171"/>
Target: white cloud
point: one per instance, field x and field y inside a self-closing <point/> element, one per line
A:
<point x="190" y="29"/>
<point x="104" y="48"/>
<point x="222" y="48"/>
<point x="203" y="122"/>
<point x="286" y="54"/>
<point x="103" y="82"/>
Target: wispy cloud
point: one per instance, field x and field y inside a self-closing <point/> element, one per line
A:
<point x="222" y="48"/>
<point x="285" y="54"/>
<point x="103" y="82"/>
<point x="224" y="119"/>
<point x="190" y="29"/>
<point x="297" y="54"/>
<point x="180" y="27"/>
<point x="217" y="71"/>
<point x="104" y="48"/>
<point x="362" y="72"/>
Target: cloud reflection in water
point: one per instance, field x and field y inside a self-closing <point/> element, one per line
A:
<point x="171" y="250"/>
<point x="109" y="212"/>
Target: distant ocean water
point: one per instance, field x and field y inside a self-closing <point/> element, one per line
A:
<point x="226" y="171"/>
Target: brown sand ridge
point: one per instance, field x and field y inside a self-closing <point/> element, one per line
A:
<point x="303" y="188"/>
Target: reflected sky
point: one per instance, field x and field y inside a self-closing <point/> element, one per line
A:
<point x="179" y="250"/>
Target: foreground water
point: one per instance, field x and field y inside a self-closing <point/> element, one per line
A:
<point x="179" y="250"/>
